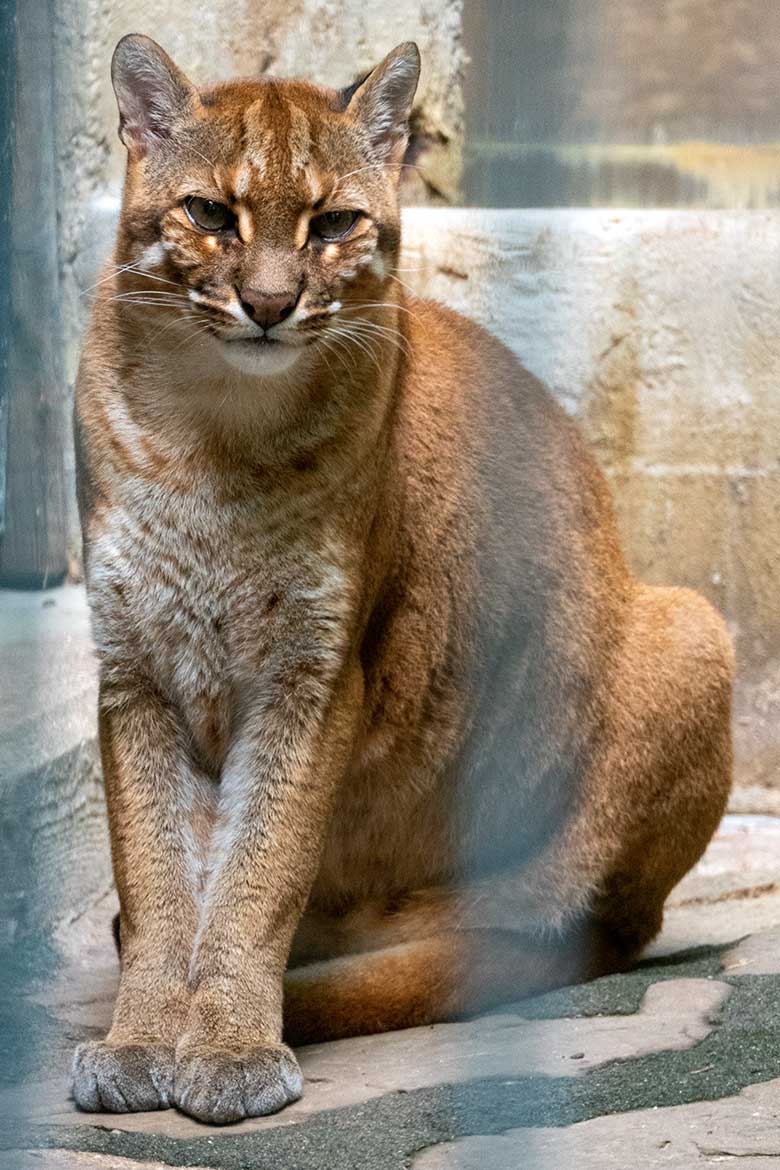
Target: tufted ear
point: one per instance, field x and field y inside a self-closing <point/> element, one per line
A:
<point x="383" y="100"/>
<point x="151" y="92"/>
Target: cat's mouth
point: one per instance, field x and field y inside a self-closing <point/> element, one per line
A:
<point x="260" y="354"/>
<point x="260" y="342"/>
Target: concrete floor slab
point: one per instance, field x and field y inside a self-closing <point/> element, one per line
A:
<point x="742" y="1132"/>
<point x="73" y="1160"/>
<point x="48" y="686"/>
<point x="673" y="1016"/>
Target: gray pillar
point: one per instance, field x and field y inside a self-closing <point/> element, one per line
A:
<point x="33" y="551"/>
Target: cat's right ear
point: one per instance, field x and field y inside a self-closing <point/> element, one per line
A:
<point x="382" y="100"/>
<point x="151" y="92"/>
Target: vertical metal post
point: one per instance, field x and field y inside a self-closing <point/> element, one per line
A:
<point x="33" y="550"/>
<point x="7" y="79"/>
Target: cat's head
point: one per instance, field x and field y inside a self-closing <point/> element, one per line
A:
<point x="264" y="211"/>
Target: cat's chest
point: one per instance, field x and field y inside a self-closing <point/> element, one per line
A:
<point x="194" y="586"/>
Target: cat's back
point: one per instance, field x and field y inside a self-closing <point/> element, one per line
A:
<point x="488" y="437"/>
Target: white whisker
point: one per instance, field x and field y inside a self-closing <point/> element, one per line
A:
<point x="402" y="283"/>
<point x="392" y="336"/>
<point x="376" y="167"/>
<point x="152" y="303"/>
<point x="361" y="342"/>
<point x="382" y="305"/>
<point x="191" y="336"/>
<point x="195" y="150"/>
<point x="180" y="318"/>
<point x="115" y="271"/>
<point x="149" y="275"/>
<point x="118" y="269"/>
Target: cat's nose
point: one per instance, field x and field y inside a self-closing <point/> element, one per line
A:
<point x="267" y="309"/>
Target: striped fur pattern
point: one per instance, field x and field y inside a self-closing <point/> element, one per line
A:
<point x="389" y="732"/>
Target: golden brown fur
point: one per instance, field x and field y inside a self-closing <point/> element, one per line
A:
<point x="380" y="702"/>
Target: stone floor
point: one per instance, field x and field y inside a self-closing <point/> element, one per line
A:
<point x="676" y="1064"/>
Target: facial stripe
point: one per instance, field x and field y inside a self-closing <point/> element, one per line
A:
<point x="313" y="177"/>
<point x="258" y="142"/>
<point x="298" y="139"/>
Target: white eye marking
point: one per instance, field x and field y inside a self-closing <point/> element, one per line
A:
<point x="236" y="311"/>
<point x="246" y="227"/>
<point x="231" y="307"/>
<point x="242" y="180"/>
<point x="151" y="256"/>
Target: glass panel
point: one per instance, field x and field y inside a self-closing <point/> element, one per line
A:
<point x="644" y="103"/>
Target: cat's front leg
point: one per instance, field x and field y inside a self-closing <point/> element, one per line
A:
<point x="276" y="794"/>
<point x="150" y="791"/>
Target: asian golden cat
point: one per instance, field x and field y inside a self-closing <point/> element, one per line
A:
<point x="389" y="732"/>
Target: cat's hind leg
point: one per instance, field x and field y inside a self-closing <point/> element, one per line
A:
<point x="593" y="898"/>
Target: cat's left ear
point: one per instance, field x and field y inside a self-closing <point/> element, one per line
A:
<point x="152" y="93"/>
<point x="383" y="100"/>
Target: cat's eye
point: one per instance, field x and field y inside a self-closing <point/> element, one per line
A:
<point x="208" y="215"/>
<point x="334" y="225"/>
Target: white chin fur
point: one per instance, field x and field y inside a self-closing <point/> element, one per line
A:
<point x="260" y="361"/>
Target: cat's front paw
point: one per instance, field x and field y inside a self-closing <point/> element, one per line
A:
<point x="220" y="1086"/>
<point x="122" y="1078"/>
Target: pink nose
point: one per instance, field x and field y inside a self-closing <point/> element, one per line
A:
<point x="267" y="309"/>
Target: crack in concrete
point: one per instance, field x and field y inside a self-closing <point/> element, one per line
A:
<point x="743" y="894"/>
<point x="706" y="1152"/>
